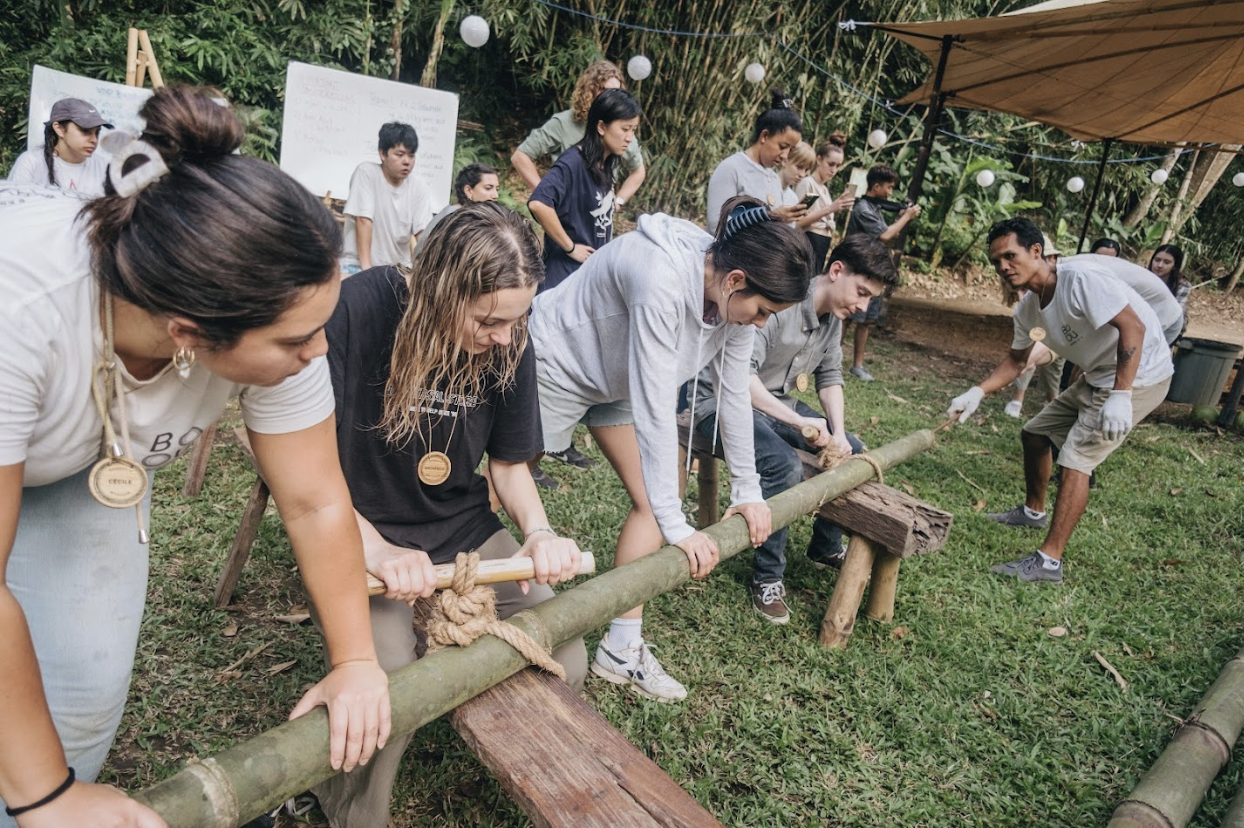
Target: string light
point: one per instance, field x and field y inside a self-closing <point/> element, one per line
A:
<point x="639" y="67"/>
<point x="474" y="30"/>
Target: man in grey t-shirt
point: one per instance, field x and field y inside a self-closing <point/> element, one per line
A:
<point x="799" y="349"/>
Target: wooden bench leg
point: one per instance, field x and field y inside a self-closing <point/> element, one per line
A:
<point x="682" y="472"/>
<point x="839" y="620"/>
<point x="710" y="507"/>
<point x="196" y="466"/>
<point x="884" y="584"/>
<point x="248" y="530"/>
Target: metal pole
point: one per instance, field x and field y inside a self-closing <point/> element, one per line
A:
<point x="1101" y="174"/>
<point x="253" y="777"/>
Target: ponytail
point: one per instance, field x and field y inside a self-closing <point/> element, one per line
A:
<point x="49" y="150"/>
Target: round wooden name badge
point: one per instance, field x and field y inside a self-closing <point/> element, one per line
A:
<point x="118" y="482"/>
<point x="434" y="468"/>
<point x="801" y="382"/>
<point x="1036" y="334"/>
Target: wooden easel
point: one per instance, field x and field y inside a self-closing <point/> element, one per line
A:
<point x="141" y="61"/>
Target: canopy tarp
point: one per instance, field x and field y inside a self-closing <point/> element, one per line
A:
<point x="1144" y="71"/>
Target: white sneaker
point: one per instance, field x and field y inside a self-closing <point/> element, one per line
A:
<point x="639" y="668"/>
<point x="1015" y="408"/>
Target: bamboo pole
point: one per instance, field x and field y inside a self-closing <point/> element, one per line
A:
<point x="131" y="57"/>
<point x="153" y="68"/>
<point x="1170" y="793"/>
<point x="1234" y="817"/>
<point x="255" y="776"/>
<point x="883" y="586"/>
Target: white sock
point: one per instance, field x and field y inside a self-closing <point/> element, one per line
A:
<point x="1032" y="513"/>
<point x="625" y="633"/>
<point x="1046" y="560"/>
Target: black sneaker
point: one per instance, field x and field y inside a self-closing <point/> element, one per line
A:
<point x="828" y="560"/>
<point x="543" y="480"/>
<point x="572" y="457"/>
<point x="264" y="821"/>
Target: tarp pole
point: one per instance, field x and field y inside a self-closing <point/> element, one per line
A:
<point x="1101" y="175"/>
<point x="931" y="122"/>
<point x="252" y="777"/>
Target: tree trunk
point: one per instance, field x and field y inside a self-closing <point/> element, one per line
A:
<point x="397" y="39"/>
<point x="255" y="776"/>
<point x="1138" y="213"/>
<point x="428" y="80"/>
<point x="1206" y="174"/>
<point x="1235" y="276"/>
<point x="1178" y="209"/>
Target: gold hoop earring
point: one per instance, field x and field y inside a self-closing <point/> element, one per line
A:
<point x="183" y="360"/>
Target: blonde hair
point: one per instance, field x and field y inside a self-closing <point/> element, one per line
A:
<point x="477" y="250"/>
<point x="801" y="155"/>
<point x="590" y="84"/>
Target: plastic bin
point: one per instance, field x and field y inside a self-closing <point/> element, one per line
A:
<point x="1202" y="367"/>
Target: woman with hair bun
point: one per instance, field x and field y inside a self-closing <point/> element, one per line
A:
<point x="127" y="327"/>
<point x="643" y="315"/>
<point x="67" y="158"/>
<point x="818" y="222"/>
<point x="751" y="172"/>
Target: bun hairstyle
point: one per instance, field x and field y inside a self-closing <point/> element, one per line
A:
<point x="778" y="118"/>
<point x="837" y="140"/>
<point x="227" y="241"/>
<point x="776" y="258"/>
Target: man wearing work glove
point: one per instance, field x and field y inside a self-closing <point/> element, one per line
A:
<point x="1099" y="323"/>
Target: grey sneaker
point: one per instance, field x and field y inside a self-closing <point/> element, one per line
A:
<point x="829" y="560"/>
<point x="542" y="479"/>
<point x="768" y="599"/>
<point x="862" y="373"/>
<point x="639" y="668"/>
<point x="572" y="457"/>
<point x="1018" y="517"/>
<point x="1030" y="568"/>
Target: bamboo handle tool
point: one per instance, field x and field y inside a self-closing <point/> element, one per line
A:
<point x="490" y="572"/>
<point x="810" y="433"/>
<point x="951" y="420"/>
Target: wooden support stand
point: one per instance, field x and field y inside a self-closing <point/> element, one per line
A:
<point x="885" y="526"/>
<point x="564" y="764"/>
<point x="196" y="466"/>
<point x="248" y="528"/>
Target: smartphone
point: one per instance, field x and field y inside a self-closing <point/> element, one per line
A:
<point x="809" y="200"/>
<point x="851" y="190"/>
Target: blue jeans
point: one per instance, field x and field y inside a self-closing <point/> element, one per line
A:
<point x="80" y="576"/>
<point x="780" y="468"/>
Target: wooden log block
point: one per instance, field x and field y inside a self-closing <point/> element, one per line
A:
<point x="897" y="522"/>
<point x="710" y="506"/>
<point x="883" y="586"/>
<point x="196" y="466"/>
<point x="564" y="765"/>
<point x="839" y="621"/>
<point x="248" y="530"/>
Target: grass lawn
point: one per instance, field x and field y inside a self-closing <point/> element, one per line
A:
<point x="965" y="711"/>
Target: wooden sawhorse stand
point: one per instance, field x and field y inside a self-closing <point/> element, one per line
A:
<point x="565" y="765"/>
<point x="885" y="526"/>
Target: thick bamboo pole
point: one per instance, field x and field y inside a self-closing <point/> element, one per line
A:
<point x="1170" y="793"/>
<point x="883" y="586"/>
<point x="255" y="776"/>
<point x="1234" y="817"/>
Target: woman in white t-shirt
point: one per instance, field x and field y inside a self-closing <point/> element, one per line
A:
<point x="67" y="158"/>
<point x="128" y="323"/>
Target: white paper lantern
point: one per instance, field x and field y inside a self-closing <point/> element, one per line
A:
<point x="1075" y="184"/>
<point x="754" y="72"/>
<point x="1238" y="179"/>
<point x="985" y="178"/>
<point x="474" y="30"/>
<point x="639" y="67"/>
<point x="877" y="138"/>
<point x="1159" y="176"/>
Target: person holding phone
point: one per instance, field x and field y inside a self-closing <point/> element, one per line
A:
<point x="818" y="223"/>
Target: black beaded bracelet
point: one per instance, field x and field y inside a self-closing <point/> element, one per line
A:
<point x="64" y="786"/>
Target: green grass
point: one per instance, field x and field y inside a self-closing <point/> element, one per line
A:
<point x="965" y="711"/>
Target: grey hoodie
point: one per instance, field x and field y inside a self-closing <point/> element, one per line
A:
<point x="628" y="326"/>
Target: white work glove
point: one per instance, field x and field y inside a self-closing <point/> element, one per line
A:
<point x="1116" y="415"/>
<point x="967" y="402"/>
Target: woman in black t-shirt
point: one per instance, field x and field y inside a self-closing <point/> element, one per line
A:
<point x="574" y="202"/>
<point x="426" y="382"/>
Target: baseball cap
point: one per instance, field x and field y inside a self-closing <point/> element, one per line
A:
<point x="1048" y="247"/>
<point x="78" y="111"/>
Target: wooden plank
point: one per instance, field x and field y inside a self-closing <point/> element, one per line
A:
<point x="564" y="765"/>
<point x="897" y="522"/>
<point x="708" y="496"/>
<point x="196" y="466"/>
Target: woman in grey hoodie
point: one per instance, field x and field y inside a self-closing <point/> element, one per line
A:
<point x="642" y="316"/>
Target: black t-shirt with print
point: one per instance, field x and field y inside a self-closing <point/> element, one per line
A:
<point x="441" y="520"/>
<point x="584" y="206"/>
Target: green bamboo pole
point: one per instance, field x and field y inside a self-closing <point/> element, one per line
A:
<point x="255" y="776"/>
<point x="1170" y="793"/>
<point x="1234" y="818"/>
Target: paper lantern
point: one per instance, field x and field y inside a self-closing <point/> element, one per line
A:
<point x="877" y="138"/>
<point x="639" y="67"/>
<point x="754" y="72"/>
<point x="985" y="178"/>
<point x="1075" y="184"/>
<point x="474" y="30"/>
<point x="1159" y="176"/>
<point x="1238" y="179"/>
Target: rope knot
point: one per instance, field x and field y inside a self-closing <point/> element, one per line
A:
<point x="467" y="610"/>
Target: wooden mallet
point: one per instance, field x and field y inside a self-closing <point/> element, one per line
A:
<point x="490" y="572"/>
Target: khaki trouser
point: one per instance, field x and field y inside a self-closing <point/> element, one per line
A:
<point x="360" y="799"/>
